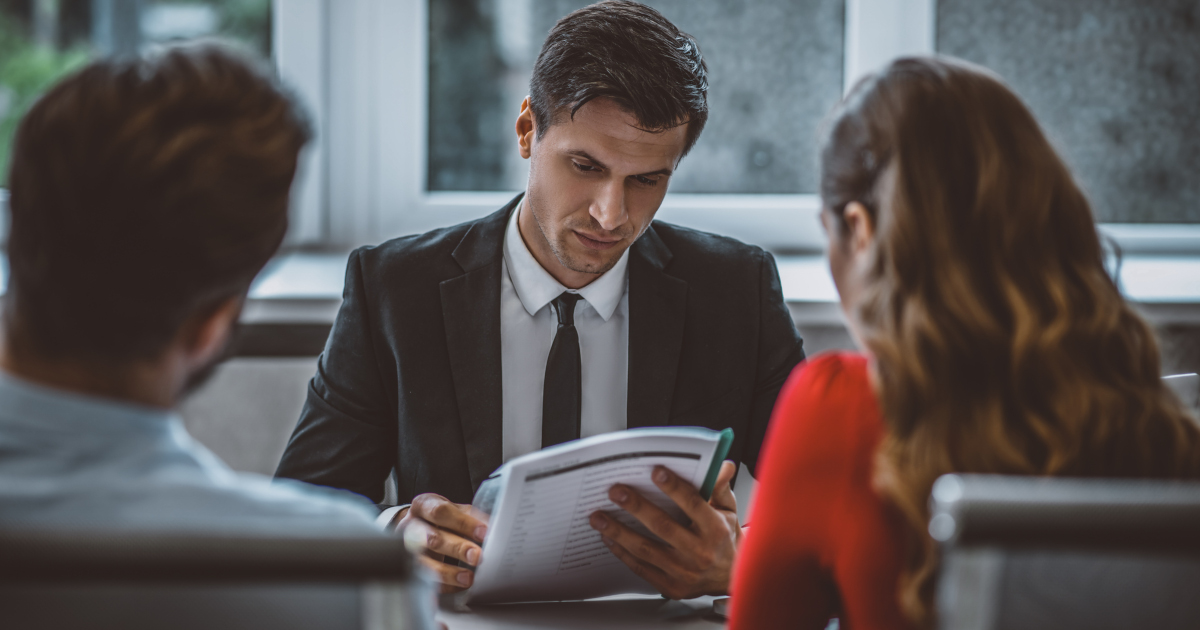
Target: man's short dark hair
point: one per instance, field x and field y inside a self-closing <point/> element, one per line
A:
<point x="630" y="53"/>
<point x="142" y="192"/>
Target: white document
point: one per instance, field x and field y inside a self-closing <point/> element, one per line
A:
<point x="540" y="545"/>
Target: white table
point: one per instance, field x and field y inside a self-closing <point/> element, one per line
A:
<point x="633" y="612"/>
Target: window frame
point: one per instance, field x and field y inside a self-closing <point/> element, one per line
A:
<point x="363" y="71"/>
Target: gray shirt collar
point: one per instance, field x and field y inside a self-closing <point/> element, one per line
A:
<point x="39" y="407"/>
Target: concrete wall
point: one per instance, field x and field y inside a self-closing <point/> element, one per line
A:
<point x="246" y="413"/>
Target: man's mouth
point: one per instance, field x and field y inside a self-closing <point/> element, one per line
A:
<point x="595" y="242"/>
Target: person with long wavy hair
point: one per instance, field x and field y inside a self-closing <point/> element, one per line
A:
<point x="972" y="276"/>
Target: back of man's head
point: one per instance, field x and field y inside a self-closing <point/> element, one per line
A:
<point x="143" y="193"/>
<point x="630" y="53"/>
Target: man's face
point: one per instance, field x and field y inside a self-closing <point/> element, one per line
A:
<point x="595" y="183"/>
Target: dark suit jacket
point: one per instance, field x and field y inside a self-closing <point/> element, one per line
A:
<point x="410" y="376"/>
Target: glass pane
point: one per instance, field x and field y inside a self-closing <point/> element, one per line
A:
<point x="41" y="40"/>
<point x="775" y="69"/>
<point x="1115" y="83"/>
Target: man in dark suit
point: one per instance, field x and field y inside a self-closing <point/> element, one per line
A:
<point x="567" y="313"/>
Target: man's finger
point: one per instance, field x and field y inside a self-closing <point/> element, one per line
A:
<point x="686" y="497"/>
<point x="448" y="515"/>
<point x="657" y="578"/>
<point x="420" y="535"/>
<point x="722" y="496"/>
<point x="653" y="517"/>
<point x="452" y="579"/>
<point x="643" y="548"/>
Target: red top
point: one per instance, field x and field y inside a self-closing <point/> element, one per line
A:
<point x="821" y="543"/>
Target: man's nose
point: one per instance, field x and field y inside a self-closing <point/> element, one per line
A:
<point x="608" y="209"/>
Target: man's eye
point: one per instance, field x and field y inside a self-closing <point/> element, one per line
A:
<point x="646" y="180"/>
<point x="584" y="168"/>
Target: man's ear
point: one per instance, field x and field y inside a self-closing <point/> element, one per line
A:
<point x="210" y="333"/>
<point x="526" y="128"/>
<point x="860" y="227"/>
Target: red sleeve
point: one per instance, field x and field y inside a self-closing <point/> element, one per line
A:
<point x="820" y="542"/>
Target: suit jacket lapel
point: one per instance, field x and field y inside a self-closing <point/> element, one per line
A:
<point x="471" y="315"/>
<point x="657" y="307"/>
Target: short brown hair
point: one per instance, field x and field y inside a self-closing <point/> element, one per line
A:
<point x="630" y="53"/>
<point x="141" y="192"/>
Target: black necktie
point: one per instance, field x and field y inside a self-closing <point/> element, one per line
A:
<point x="562" y="392"/>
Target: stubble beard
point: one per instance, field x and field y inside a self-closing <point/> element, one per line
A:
<point x="561" y="248"/>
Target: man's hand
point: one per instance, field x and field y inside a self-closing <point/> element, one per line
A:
<point x="437" y="530"/>
<point x="697" y="559"/>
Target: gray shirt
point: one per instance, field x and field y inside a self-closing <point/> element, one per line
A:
<point x="68" y="460"/>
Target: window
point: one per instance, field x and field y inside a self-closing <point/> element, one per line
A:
<point x="1115" y="84"/>
<point x="42" y="40"/>
<point x="764" y="113"/>
<point x="416" y="100"/>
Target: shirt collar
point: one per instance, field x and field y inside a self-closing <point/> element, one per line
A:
<point x="53" y="409"/>
<point x="536" y="287"/>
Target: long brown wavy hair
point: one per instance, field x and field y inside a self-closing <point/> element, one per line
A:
<point x="1000" y="343"/>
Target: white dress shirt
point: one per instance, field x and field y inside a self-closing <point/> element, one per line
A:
<point x="527" y="328"/>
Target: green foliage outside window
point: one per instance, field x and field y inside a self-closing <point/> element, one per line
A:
<point x="28" y="68"/>
<point x="26" y="71"/>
